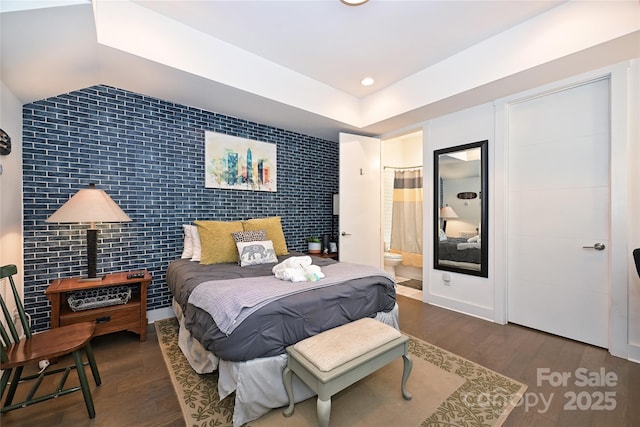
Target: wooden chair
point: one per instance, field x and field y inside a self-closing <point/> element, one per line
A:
<point x="18" y="352"/>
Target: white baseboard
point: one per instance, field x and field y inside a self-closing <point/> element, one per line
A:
<point x="634" y="353"/>
<point x="159" y="314"/>
<point x="483" y="313"/>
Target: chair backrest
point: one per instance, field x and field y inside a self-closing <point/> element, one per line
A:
<point x="7" y="272"/>
<point x="636" y="258"/>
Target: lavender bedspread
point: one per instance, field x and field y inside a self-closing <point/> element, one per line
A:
<point x="286" y="319"/>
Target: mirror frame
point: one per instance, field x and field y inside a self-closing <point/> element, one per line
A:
<point x="484" y="209"/>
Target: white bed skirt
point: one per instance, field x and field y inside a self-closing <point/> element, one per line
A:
<point x="258" y="382"/>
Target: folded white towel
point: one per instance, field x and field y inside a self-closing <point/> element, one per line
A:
<point x="463" y="246"/>
<point x="298" y="269"/>
<point x="291" y="274"/>
<point x="313" y="273"/>
<point x="292" y="262"/>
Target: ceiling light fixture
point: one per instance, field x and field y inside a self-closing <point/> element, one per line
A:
<point x="367" y="81"/>
<point x="354" y="2"/>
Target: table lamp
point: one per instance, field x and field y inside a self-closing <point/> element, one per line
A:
<point x="90" y="205"/>
<point x="446" y="213"/>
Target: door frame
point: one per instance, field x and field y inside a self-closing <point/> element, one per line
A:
<point x="618" y="76"/>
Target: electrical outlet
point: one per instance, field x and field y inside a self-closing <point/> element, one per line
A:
<point x="446" y="279"/>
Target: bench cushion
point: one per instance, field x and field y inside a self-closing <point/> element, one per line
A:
<point x="337" y="346"/>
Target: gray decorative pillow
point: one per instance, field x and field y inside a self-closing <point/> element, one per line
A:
<point x="250" y="236"/>
<point x="254" y="253"/>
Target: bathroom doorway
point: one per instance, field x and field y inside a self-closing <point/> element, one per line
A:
<point x="403" y="205"/>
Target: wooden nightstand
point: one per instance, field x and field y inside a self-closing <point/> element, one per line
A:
<point x="333" y="255"/>
<point x="131" y="316"/>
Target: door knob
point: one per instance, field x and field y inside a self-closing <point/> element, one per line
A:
<point x="345" y="234"/>
<point x="596" y="246"/>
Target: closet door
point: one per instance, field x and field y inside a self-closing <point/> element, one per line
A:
<point x="558" y="212"/>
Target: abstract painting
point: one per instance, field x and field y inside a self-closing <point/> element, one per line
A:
<point x="239" y="163"/>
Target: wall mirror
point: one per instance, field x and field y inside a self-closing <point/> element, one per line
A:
<point x="461" y="209"/>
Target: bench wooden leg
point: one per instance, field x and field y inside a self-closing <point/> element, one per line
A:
<point x="324" y="411"/>
<point x="406" y="370"/>
<point x="287" y="378"/>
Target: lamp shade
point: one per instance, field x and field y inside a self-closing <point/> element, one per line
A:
<point x="447" y="212"/>
<point x="89" y="205"/>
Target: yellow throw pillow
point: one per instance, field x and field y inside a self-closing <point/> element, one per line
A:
<point x="217" y="241"/>
<point x="273" y="227"/>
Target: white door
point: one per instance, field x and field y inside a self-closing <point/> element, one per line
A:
<point x="360" y="200"/>
<point x="558" y="212"/>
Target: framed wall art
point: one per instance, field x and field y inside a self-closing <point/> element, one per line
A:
<point x="239" y="163"/>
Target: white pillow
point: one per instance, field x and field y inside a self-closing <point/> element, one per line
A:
<point x="187" y="251"/>
<point x="443" y="235"/>
<point x="253" y="253"/>
<point x="197" y="245"/>
<point x="473" y="239"/>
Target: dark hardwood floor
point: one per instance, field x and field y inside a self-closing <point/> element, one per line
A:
<point x="136" y="389"/>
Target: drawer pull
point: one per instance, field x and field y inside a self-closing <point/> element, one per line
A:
<point x="103" y="319"/>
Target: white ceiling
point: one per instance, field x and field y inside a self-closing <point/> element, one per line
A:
<point x="298" y="64"/>
<point x="339" y="45"/>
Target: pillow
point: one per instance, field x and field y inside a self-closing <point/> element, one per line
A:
<point x="249" y="236"/>
<point x="256" y="252"/>
<point x="273" y="228"/>
<point x="197" y="247"/>
<point x="187" y="248"/>
<point x="473" y="239"/>
<point x="443" y="235"/>
<point x="217" y="242"/>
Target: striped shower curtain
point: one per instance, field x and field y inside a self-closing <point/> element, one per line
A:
<point x="406" y="222"/>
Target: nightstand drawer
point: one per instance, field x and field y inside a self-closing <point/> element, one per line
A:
<point x="108" y="319"/>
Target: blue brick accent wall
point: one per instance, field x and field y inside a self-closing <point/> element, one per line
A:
<point x="148" y="155"/>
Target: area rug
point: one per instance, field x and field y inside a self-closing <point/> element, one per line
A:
<point x="412" y="283"/>
<point x="447" y="390"/>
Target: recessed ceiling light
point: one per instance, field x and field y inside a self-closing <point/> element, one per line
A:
<point x="354" y="2"/>
<point x="367" y="81"/>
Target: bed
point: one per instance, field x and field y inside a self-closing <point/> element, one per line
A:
<point x="458" y="249"/>
<point x="248" y="347"/>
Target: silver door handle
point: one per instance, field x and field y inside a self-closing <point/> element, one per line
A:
<point x="596" y="246"/>
<point x="345" y="234"/>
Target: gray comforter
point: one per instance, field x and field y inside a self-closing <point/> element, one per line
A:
<point x="280" y="323"/>
<point x="448" y="250"/>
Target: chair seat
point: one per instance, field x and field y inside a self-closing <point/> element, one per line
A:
<point x="50" y="344"/>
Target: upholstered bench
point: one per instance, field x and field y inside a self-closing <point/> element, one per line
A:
<point x="333" y="360"/>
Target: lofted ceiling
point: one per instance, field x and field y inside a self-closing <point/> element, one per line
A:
<point x="298" y="64"/>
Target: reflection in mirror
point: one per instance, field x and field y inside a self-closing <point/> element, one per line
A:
<point x="461" y="209"/>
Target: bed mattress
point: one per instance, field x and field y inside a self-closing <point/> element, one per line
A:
<point x="283" y="322"/>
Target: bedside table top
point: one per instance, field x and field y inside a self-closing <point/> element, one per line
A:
<point x="111" y="279"/>
<point x="333" y="255"/>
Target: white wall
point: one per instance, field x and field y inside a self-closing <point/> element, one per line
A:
<point x="11" y="246"/>
<point x="468" y="294"/>
<point x="633" y="206"/>
<point x="486" y="297"/>
<point x="468" y="210"/>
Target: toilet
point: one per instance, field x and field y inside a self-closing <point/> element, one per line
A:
<point x="391" y="260"/>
